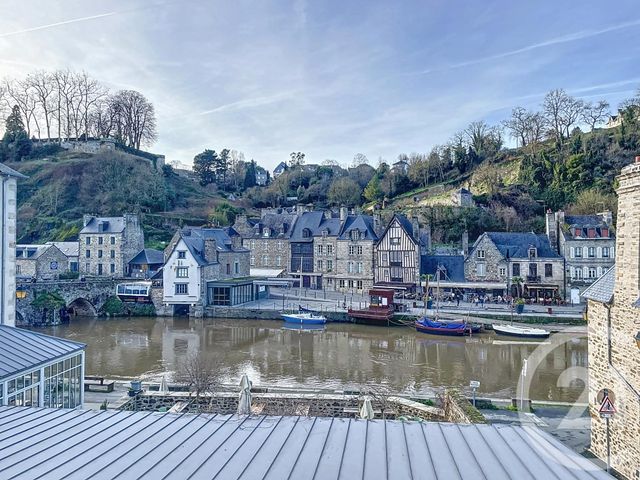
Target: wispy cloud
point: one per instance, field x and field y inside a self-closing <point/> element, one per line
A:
<point x="57" y="24"/>
<point x="250" y="103"/>
<point x="572" y="37"/>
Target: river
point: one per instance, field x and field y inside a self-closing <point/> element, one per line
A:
<point x="341" y="356"/>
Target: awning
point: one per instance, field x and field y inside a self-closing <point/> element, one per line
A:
<point x="266" y="272"/>
<point x="532" y="286"/>
<point x="488" y="285"/>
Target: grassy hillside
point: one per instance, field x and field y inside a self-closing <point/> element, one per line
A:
<point x="60" y="189"/>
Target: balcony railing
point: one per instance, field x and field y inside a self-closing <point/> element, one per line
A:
<point x="533" y="278"/>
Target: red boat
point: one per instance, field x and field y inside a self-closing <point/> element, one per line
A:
<point x="380" y="310"/>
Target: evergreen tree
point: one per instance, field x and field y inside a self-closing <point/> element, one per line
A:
<point x="250" y="175"/>
<point x="15" y="142"/>
<point x="372" y="191"/>
<point x="204" y="165"/>
<point x="222" y="166"/>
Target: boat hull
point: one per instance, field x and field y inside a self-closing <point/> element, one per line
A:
<point x="521" y="332"/>
<point x="303" y="319"/>
<point x="450" y="332"/>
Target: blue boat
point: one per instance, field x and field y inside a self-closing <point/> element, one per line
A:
<point x="425" y="325"/>
<point x="305" y="317"/>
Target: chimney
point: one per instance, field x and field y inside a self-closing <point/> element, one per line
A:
<point x="131" y="220"/>
<point x="210" y="250"/>
<point x="607" y="217"/>
<point x="343" y="213"/>
<point x="377" y="223"/>
<point x="416" y="228"/>
<point x="551" y="221"/>
<point x="465" y="243"/>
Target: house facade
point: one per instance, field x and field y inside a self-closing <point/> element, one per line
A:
<point x="587" y="242"/>
<point x="267" y="238"/>
<point x="302" y="265"/>
<point x="398" y="252"/>
<point x="262" y="177"/>
<point x="325" y="249"/>
<point x="107" y="244"/>
<point x="522" y="264"/>
<point x="280" y="169"/>
<point x="613" y="310"/>
<point x="196" y="260"/>
<point x="354" y="261"/>
<point x="70" y="250"/>
<point x="40" y="262"/>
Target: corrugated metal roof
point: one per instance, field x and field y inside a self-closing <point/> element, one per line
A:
<point x="602" y="289"/>
<point x="81" y="444"/>
<point x="22" y="350"/>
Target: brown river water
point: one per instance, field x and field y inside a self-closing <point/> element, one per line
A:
<point x="340" y="356"/>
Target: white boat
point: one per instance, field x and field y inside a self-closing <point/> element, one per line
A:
<point x="304" y="318"/>
<point x="523" y="332"/>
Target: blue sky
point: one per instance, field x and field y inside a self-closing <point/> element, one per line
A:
<point x="329" y="78"/>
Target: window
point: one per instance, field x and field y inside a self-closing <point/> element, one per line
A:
<point x="252" y="261"/>
<point x="73" y="266"/>
<point x="359" y="267"/>
<point x="532" y="253"/>
<point x="252" y="244"/>
<point x="481" y="269"/>
<point x="182" y="288"/>
<point x="352" y="250"/>
<point x="112" y="268"/>
<point x="279" y="244"/>
<point x="395" y="240"/>
<point x="87" y="253"/>
<point x="359" y="284"/>
<point x="87" y="241"/>
<point x="592" y="272"/>
<point x="319" y="263"/>
<point x="395" y="259"/>
<point x="350" y="267"/>
<point x="350" y="283"/>
<point x="605" y="252"/>
<point x="228" y="269"/>
<point x="182" y="272"/>
<point x="329" y="249"/>
<point x="320" y="250"/>
<point x="265" y="233"/>
<point x="480" y="254"/>
<point x="100" y="240"/>
<point x="236" y="267"/>
<point x="591" y="251"/>
<point x="265" y="260"/>
<point x="548" y="270"/>
<point x="99" y="269"/>
<point x="278" y="261"/>
<point x="515" y="269"/>
<point x="18" y="269"/>
<point x="578" y="273"/>
<point x="578" y="252"/>
<point x="329" y="265"/>
<point x="341" y="283"/>
<point x="503" y="271"/>
<point x="113" y="240"/>
<point x="99" y="253"/>
<point x="385" y="259"/>
<point x="182" y="254"/>
<point x="87" y="267"/>
<point x="112" y="254"/>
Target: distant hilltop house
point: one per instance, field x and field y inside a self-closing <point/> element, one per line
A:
<point x="462" y="198"/>
<point x="616" y="120"/>
<point x="107" y="244"/>
<point x="262" y="177"/>
<point x="400" y="166"/>
<point x="280" y="169"/>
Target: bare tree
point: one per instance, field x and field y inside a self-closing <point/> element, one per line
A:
<point x="65" y="96"/>
<point x="537" y="125"/>
<point x="90" y="92"/>
<point x="200" y="373"/>
<point x="595" y="113"/>
<point x="43" y="88"/>
<point x="135" y="118"/>
<point x="518" y="124"/>
<point x="359" y="159"/>
<point x="562" y="111"/>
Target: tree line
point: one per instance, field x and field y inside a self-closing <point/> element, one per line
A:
<point x="63" y="105"/>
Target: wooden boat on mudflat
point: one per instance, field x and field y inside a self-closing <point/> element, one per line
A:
<point x="522" y="332"/>
<point x="380" y="310"/>
<point x="434" y="327"/>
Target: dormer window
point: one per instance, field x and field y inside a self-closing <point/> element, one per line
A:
<point x="604" y="232"/>
<point x="532" y="253"/>
<point x="591" y="233"/>
<point x="355" y="235"/>
<point x="266" y="232"/>
<point x="325" y="233"/>
<point x="578" y="232"/>
<point x="306" y="233"/>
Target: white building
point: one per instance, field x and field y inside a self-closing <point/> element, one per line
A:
<point x="35" y="369"/>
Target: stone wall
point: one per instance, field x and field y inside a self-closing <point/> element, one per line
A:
<point x="342" y="274"/>
<point x="46" y="262"/>
<point x="268" y="252"/>
<point x="457" y="409"/>
<point x="492" y="260"/>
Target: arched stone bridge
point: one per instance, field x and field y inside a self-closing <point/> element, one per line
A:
<point x="84" y="298"/>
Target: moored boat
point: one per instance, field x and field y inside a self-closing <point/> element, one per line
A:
<point x="380" y="310"/>
<point x="424" y="325"/>
<point x="523" y="332"/>
<point x="305" y="317"/>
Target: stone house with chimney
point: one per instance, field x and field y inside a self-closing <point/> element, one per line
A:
<point x="587" y="242"/>
<point x="398" y="254"/>
<point x="325" y="249"/>
<point x="107" y="244"/>
<point x="355" y="247"/>
<point x="517" y="263"/>
<point x="613" y="315"/>
<point x="267" y="238"/>
<point x="205" y="267"/>
<point x="40" y="262"/>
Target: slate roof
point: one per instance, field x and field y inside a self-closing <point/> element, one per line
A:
<point x="330" y="225"/>
<point x="307" y="220"/>
<point x="70" y="249"/>
<point x="113" y="225"/>
<point x="602" y="289"/>
<point x="516" y="245"/>
<point x="280" y="225"/>
<point x="194" y="238"/>
<point x="363" y="223"/>
<point x="281" y="167"/>
<point x="33" y="251"/>
<point x="584" y="222"/>
<point x="81" y="444"/>
<point x="24" y="350"/>
<point x="10" y="172"/>
<point x="148" y="256"/>
<point x="453" y="265"/>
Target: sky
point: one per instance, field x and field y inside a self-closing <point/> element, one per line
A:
<point x="328" y="78"/>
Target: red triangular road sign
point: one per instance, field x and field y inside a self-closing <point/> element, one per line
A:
<point x="607" y="406"/>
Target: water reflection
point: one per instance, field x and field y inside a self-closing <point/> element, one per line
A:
<point x="337" y="356"/>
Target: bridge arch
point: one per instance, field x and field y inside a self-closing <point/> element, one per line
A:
<point x="81" y="307"/>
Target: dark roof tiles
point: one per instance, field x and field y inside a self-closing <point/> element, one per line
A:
<point x="516" y="245"/>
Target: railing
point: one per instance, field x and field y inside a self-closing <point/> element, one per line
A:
<point x="533" y="278"/>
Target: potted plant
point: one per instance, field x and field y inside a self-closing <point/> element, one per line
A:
<point x="519" y="304"/>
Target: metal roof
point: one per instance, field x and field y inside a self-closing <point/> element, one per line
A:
<point x="23" y="350"/>
<point x="602" y="289"/>
<point x="81" y="444"/>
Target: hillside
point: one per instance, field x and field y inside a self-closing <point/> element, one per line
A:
<point x="61" y="188"/>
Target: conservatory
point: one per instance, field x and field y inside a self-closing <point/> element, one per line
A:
<point x="38" y="370"/>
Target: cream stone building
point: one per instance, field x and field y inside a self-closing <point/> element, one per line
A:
<point x="613" y="307"/>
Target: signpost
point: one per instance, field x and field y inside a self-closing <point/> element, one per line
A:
<point x="607" y="410"/>
<point x="474" y="384"/>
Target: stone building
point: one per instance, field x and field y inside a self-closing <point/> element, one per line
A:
<point x="587" y="242"/>
<point x="613" y="307"/>
<point x="280" y="169"/>
<point x="107" y="244"/>
<point x="70" y="250"/>
<point x="325" y="249"/>
<point x="205" y="267"/>
<point x="302" y="265"/>
<point x="353" y="264"/>
<point x="462" y="198"/>
<point x="40" y="262"/>
<point x="519" y="263"/>
<point x="398" y="253"/>
<point x="267" y="238"/>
